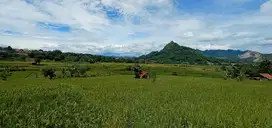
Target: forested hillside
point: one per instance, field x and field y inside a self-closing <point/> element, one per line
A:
<point x="173" y="53"/>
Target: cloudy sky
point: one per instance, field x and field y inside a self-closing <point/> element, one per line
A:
<point x="135" y="27"/>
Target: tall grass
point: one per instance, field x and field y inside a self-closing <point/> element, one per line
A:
<point x="122" y="101"/>
<point x="57" y="106"/>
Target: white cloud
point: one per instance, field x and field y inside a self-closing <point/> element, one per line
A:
<point x="266" y="8"/>
<point x="93" y="32"/>
<point x="211" y="46"/>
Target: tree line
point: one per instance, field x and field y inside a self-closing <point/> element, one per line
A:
<point x="241" y="71"/>
<point x="8" y="53"/>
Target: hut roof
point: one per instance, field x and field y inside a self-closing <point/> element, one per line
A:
<point x="266" y="75"/>
<point x="143" y="73"/>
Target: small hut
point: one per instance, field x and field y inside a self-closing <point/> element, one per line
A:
<point x="140" y="74"/>
<point x="265" y="77"/>
<point x="144" y="75"/>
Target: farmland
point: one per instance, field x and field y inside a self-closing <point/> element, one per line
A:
<point x="197" y="97"/>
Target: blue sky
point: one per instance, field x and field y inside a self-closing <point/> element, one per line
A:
<point x="135" y="27"/>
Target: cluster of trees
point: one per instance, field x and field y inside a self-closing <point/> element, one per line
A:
<point x="241" y="71"/>
<point x="67" y="72"/>
<point x="58" y="55"/>
<point x="8" y="53"/>
<point x="75" y="70"/>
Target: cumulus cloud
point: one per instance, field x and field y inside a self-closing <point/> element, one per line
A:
<point x="266" y="8"/>
<point x="127" y="27"/>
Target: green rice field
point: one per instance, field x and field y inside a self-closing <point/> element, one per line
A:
<point x="199" y="98"/>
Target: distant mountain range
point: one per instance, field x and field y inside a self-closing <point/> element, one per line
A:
<point x="238" y="55"/>
<point x="174" y="53"/>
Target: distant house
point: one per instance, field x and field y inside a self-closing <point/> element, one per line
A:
<point x="266" y="76"/>
<point x="262" y="77"/>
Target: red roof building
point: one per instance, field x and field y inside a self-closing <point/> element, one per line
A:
<point x="266" y="75"/>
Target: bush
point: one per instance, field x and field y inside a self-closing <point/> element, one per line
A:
<point x="49" y="72"/>
<point x="37" y="61"/>
<point x="83" y="71"/>
<point x="65" y="73"/>
<point x="78" y="71"/>
<point x="241" y="76"/>
<point x="236" y="71"/>
<point x="5" y="73"/>
<point x="73" y="72"/>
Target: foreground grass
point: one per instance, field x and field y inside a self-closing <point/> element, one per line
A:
<point x="121" y="101"/>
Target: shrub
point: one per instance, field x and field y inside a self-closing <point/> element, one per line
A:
<point x="74" y="70"/>
<point x="5" y="73"/>
<point x="234" y="72"/>
<point x="241" y="76"/>
<point x="37" y="61"/>
<point x="49" y="72"/>
<point x="78" y="71"/>
<point x="83" y="70"/>
<point x="65" y="73"/>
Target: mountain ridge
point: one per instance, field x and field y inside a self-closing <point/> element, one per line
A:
<point x="173" y="53"/>
<point x="168" y="55"/>
<point x="237" y="55"/>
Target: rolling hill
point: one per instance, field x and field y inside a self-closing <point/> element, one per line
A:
<point x="173" y="53"/>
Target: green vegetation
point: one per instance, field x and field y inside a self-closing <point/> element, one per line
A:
<point x="49" y="72"/>
<point x="174" y="96"/>
<point x="241" y="71"/>
<point x="121" y="101"/>
<point x="5" y="73"/>
<point x="172" y="53"/>
<point x="37" y="56"/>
